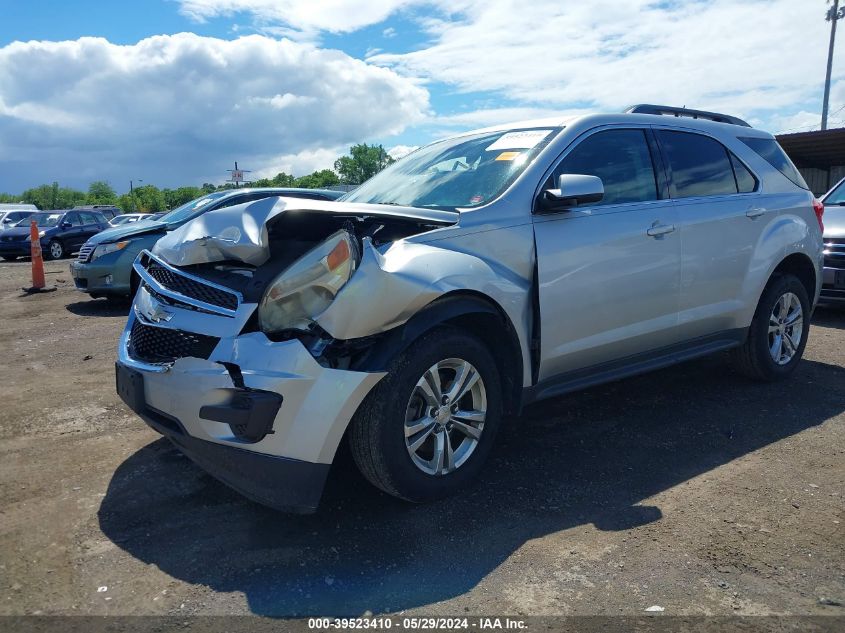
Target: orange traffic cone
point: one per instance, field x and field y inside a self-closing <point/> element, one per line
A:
<point x="38" y="283"/>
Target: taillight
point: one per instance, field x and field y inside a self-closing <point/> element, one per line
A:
<point x="818" y="207"/>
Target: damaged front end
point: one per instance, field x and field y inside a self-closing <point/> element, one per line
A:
<point x="236" y="348"/>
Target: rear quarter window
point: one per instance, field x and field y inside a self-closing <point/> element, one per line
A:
<point x="773" y="154"/>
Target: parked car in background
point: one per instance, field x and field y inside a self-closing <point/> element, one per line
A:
<point x="108" y="210"/>
<point x="8" y="218"/>
<point x="104" y="265"/>
<point x="476" y="275"/>
<point x="128" y="218"/>
<point x="61" y="233"/>
<point x="833" y="290"/>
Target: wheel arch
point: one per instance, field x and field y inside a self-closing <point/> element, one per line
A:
<point x="468" y="310"/>
<point x="800" y="265"/>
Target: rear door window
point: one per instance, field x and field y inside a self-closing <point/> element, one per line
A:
<point x="621" y="159"/>
<point x="699" y="165"/>
<point x="773" y="154"/>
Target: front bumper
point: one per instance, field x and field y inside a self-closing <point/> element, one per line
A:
<point x="186" y="400"/>
<point x="106" y="275"/>
<point x="833" y="286"/>
<point x="19" y="248"/>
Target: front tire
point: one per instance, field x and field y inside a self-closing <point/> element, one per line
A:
<point x="55" y="250"/>
<point x="778" y="332"/>
<point x="426" y="429"/>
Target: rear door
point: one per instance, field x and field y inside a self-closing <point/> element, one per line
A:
<point x="721" y="215"/>
<point x="609" y="273"/>
<point x="90" y="226"/>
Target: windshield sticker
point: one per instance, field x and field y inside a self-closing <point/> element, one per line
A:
<point x="508" y="155"/>
<point x="519" y="140"/>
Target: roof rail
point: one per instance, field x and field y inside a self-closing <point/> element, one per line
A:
<point x="648" y="108"/>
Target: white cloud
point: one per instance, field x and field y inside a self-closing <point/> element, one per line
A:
<point x="171" y="108"/>
<point x="308" y="16"/>
<point x="398" y="151"/>
<point x="738" y="56"/>
<point x="756" y="58"/>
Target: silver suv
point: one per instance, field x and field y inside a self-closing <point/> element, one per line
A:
<point x="477" y="274"/>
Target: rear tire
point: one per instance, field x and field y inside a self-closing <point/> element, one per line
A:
<point x="55" y="250"/>
<point x="778" y="332"/>
<point x="407" y="444"/>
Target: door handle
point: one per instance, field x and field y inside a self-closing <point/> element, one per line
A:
<point x="755" y="212"/>
<point x="658" y="230"/>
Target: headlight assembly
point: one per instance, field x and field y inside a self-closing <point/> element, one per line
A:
<point x="105" y="249"/>
<point x="309" y="285"/>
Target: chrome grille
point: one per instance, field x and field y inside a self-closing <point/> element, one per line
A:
<point x="190" y="287"/>
<point x="834" y="253"/>
<point x="85" y="253"/>
<point x="163" y="345"/>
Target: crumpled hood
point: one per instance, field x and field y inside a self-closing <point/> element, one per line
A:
<point x="240" y="232"/>
<point x="834" y="221"/>
<point x="134" y="229"/>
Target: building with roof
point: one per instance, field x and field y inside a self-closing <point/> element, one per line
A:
<point x="818" y="155"/>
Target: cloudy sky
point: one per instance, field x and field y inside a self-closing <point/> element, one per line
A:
<point x="173" y="91"/>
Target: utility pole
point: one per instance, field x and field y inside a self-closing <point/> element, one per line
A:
<point x="833" y="14"/>
<point x="132" y="195"/>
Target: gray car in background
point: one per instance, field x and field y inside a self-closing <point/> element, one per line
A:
<point x="473" y="276"/>
<point x="833" y="276"/>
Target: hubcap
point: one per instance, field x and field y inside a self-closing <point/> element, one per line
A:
<point x="56" y="250"/>
<point x="445" y="416"/>
<point x="786" y="325"/>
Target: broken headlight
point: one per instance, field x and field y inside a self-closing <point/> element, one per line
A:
<point x="309" y="285"/>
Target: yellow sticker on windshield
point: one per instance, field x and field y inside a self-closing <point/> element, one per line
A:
<point x="507" y="155"/>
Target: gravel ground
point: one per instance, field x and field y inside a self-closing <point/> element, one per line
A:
<point x="690" y="488"/>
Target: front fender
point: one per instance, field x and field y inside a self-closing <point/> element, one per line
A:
<point x="388" y="289"/>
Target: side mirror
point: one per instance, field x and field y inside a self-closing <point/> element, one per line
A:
<point x="66" y="224"/>
<point x="572" y="190"/>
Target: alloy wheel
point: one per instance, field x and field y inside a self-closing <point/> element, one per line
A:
<point x="445" y="416"/>
<point x="786" y="325"/>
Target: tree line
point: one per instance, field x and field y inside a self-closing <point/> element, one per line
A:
<point x="362" y="162"/>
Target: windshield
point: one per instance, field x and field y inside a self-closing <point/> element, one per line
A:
<point x="837" y="196"/>
<point x="191" y="209"/>
<point x="468" y="171"/>
<point x="15" y="216"/>
<point x="42" y="219"/>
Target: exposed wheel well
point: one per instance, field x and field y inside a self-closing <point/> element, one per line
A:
<point x="498" y="336"/>
<point x="800" y="265"/>
<point x="472" y="312"/>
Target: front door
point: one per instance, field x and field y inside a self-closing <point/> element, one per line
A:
<point x="609" y="273"/>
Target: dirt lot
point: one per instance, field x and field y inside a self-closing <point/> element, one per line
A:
<point x="691" y="489"/>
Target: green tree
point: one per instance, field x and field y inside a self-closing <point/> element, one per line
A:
<point x="144" y="199"/>
<point x="53" y="197"/>
<point x="177" y="197"/>
<point x="100" y="192"/>
<point x="363" y="162"/>
<point x="318" y="180"/>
